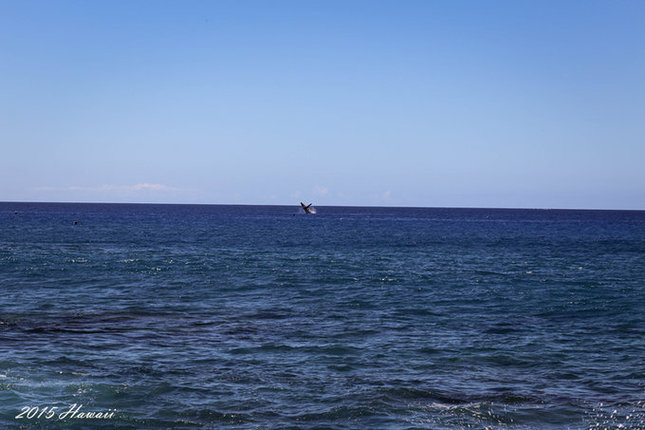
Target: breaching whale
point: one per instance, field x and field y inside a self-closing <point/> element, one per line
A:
<point x="307" y="208"/>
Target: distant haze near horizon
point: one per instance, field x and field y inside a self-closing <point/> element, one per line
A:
<point x="507" y="104"/>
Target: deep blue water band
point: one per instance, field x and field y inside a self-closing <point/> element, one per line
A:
<point x="182" y="316"/>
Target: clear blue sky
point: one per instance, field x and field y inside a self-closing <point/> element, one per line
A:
<point x="406" y="103"/>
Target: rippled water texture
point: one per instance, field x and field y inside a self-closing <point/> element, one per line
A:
<point x="262" y="317"/>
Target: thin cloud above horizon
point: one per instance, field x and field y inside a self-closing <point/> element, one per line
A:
<point x="136" y="187"/>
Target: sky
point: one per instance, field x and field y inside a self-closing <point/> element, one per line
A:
<point x="528" y="104"/>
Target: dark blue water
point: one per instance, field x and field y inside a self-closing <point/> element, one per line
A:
<point x="261" y="317"/>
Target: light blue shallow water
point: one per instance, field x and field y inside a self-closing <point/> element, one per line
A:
<point x="261" y="317"/>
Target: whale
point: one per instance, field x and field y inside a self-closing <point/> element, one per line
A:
<point x="307" y="208"/>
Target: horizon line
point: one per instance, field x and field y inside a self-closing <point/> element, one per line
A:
<point x="327" y="205"/>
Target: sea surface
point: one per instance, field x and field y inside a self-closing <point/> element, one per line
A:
<point x="208" y="316"/>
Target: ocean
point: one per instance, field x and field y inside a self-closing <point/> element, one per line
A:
<point x="213" y="316"/>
